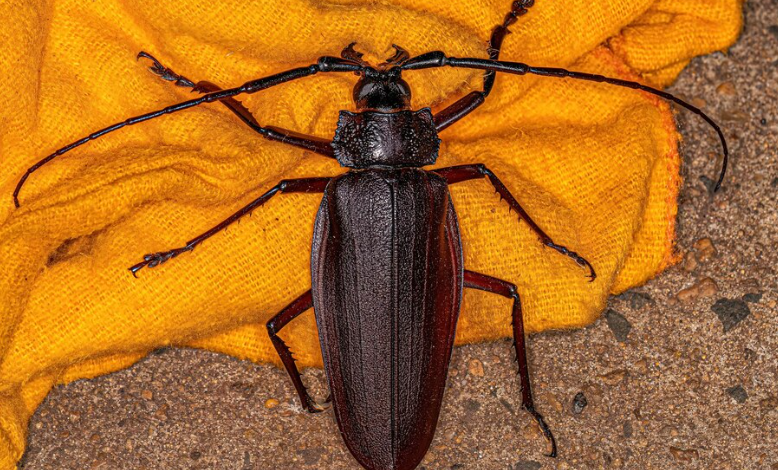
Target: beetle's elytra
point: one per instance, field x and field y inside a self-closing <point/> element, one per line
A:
<point x="386" y="262"/>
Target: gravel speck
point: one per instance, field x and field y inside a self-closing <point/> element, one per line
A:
<point x="528" y="465"/>
<point x="773" y="29"/>
<point x="683" y="455"/>
<point x="618" y="324"/>
<point x="737" y="393"/>
<point x="579" y="403"/>
<point x="730" y="312"/>
<point x="636" y="300"/>
<point x="627" y="429"/>
<point x="311" y="456"/>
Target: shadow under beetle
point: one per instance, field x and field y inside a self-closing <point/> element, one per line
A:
<point x="386" y="261"/>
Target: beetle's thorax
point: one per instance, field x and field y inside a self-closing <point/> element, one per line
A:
<point x="384" y="131"/>
<point x="375" y="139"/>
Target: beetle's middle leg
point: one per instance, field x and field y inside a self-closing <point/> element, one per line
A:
<point x="457" y="174"/>
<point x="486" y="283"/>
<point x="274" y="325"/>
<point x="307" y="142"/>
<point x="303" y="185"/>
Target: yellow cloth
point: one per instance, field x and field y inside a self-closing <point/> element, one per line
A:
<point x="595" y="165"/>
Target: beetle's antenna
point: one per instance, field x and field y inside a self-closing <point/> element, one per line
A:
<point x="439" y="59"/>
<point x="324" y="64"/>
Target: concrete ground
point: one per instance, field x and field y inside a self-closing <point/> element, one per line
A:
<point x="680" y="373"/>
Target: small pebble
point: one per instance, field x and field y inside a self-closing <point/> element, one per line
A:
<point x="731" y="312"/>
<point x="669" y="431"/>
<point x="726" y="89"/>
<point x="735" y="115"/>
<point x="271" y="403"/>
<point x="705" y="249"/>
<point x="475" y="367"/>
<point x="642" y="366"/>
<point x="687" y="295"/>
<point x="707" y="287"/>
<point x="161" y="413"/>
<point x="690" y="262"/>
<point x="147" y="394"/>
<point x="528" y="465"/>
<point x="773" y="29"/>
<point x="627" y="429"/>
<point x="683" y="455"/>
<point x="579" y="403"/>
<point x="699" y="102"/>
<point x="637" y="300"/>
<point x="737" y="393"/>
<point x="618" y="324"/>
<point x="613" y="377"/>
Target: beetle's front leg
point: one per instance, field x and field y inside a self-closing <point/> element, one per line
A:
<point x="486" y="283"/>
<point x="312" y="143"/>
<point x="457" y="174"/>
<point x="303" y="185"/>
<point x="289" y="313"/>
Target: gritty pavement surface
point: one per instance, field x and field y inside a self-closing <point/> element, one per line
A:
<point x="680" y="373"/>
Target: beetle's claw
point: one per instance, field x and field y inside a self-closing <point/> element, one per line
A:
<point x="153" y="260"/>
<point x="582" y="262"/>
<point x="579" y="260"/>
<point x="312" y="406"/>
<point x="543" y="427"/>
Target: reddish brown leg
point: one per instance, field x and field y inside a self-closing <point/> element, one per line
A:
<point x="467" y="104"/>
<point x="486" y="283"/>
<point x="289" y="313"/>
<point x="304" y="185"/>
<point x="314" y="144"/>
<point x="457" y="174"/>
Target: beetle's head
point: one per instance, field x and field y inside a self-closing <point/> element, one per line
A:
<point x="380" y="88"/>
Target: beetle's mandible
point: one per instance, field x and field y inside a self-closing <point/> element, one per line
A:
<point x="386" y="260"/>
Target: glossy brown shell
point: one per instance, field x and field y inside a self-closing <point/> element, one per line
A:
<point x="387" y="286"/>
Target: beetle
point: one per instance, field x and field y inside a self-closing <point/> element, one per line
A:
<point x="386" y="259"/>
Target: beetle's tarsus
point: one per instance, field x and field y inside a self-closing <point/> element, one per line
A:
<point x="579" y="260"/>
<point x="165" y="73"/>
<point x="153" y="260"/>
<point x="543" y="427"/>
<point x="312" y="406"/>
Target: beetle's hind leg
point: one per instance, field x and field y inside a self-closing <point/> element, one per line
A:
<point x="486" y="283"/>
<point x="289" y="313"/>
<point x="314" y="144"/>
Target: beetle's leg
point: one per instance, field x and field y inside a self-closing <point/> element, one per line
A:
<point x="486" y="283"/>
<point x="303" y="185"/>
<point x="457" y="174"/>
<point x="314" y="144"/>
<point x="289" y="313"/>
<point x="474" y="99"/>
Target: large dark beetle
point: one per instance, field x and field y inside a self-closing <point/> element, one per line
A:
<point x="386" y="260"/>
